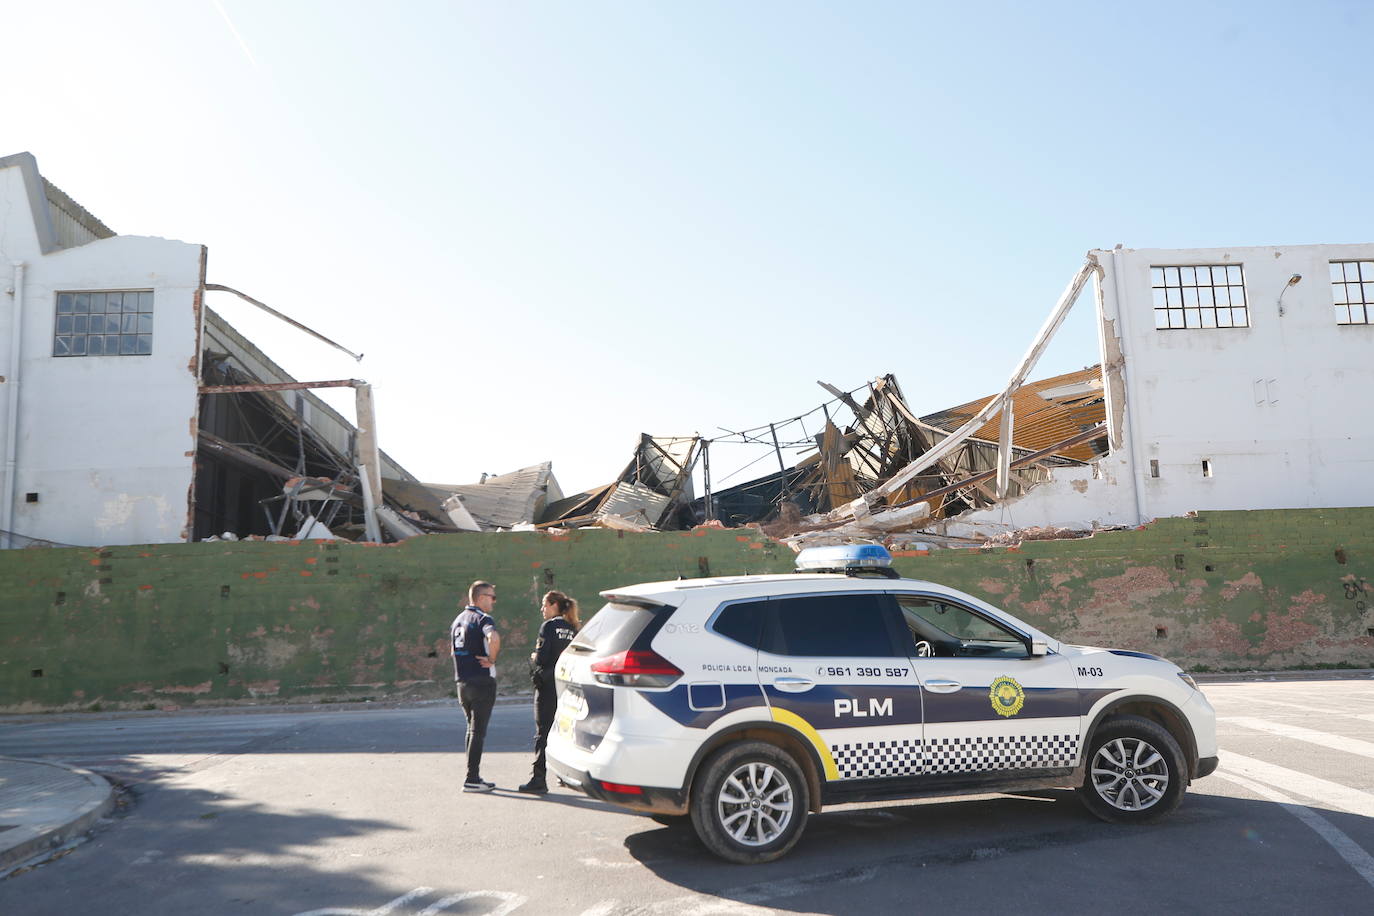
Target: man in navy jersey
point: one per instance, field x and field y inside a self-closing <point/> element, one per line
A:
<point x="476" y="644"/>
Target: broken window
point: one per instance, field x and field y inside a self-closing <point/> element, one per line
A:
<point x="1352" y="288"/>
<point x="1205" y="296"/>
<point x="104" y="323"/>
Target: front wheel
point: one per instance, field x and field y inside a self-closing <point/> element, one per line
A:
<point x="750" y="803"/>
<point x="1136" y="772"/>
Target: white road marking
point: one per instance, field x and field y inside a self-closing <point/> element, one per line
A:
<point x="1358" y="859"/>
<point x="1322" y="790"/>
<point x="509" y="903"/>
<point x="591" y="862"/>
<point x="700" y="905"/>
<point x="771" y="890"/>
<point x="1309" y="708"/>
<point x="604" y="908"/>
<point x="1298" y="733"/>
<point x="382" y="910"/>
<point x="748" y="900"/>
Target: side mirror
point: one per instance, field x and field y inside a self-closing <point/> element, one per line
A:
<point x="1038" y="648"/>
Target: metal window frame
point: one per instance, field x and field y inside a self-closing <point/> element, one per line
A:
<point x="1364" y="276"/>
<point x="1177" y="281"/>
<point x="118" y="337"/>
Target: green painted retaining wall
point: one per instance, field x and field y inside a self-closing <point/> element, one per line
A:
<point x="185" y="624"/>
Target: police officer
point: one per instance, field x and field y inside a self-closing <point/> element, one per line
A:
<point x="476" y="643"/>
<point x="558" y="629"/>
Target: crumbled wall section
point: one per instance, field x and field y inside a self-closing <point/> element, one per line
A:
<point x="181" y="624"/>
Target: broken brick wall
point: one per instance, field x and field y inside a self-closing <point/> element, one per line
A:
<point x="187" y="624"/>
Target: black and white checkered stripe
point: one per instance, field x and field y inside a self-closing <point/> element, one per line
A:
<point x="1004" y="752"/>
<point x="871" y="759"/>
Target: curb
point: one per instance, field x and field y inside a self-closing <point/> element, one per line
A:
<point x="27" y="841"/>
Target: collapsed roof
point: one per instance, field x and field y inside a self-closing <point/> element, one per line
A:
<point x="266" y="443"/>
<point x="1062" y="421"/>
<point x="501" y="501"/>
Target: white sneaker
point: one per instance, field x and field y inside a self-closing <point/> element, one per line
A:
<point x="478" y="786"/>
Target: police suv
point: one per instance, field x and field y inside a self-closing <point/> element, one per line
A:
<point x="748" y="702"/>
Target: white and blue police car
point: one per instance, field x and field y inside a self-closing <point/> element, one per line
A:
<point x="748" y="702"/>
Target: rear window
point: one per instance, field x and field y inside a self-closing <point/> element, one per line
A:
<point x="616" y="626"/>
<point x="831" y="626"/>
<point x="742" y="622"/>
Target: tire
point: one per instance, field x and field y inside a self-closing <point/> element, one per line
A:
<point x="750" y="802"/>
<point x="1135" y="772"/>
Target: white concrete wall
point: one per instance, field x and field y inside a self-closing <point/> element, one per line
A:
<point x="1081" y="498"/>
<point x="1280" y="408"/>
<point x="106" y="442"/>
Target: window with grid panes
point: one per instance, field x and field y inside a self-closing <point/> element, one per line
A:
<point x="104" y="323"/>
<point x="1199" y="296"/>
<point x="1352" y="288"/>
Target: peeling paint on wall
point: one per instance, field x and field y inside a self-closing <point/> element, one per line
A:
<point x="119" y="512"/>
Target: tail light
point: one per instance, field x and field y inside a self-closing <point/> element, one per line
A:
<point x="620" y="788"/>
<point x="636" y="668"/>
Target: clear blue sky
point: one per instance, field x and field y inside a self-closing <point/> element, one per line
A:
<point x="550" y="226"/>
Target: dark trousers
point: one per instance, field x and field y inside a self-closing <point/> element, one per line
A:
<point x="478" y="696"/>
<point x="545" y="706"/>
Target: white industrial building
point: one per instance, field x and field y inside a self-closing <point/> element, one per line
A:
<point x="115" y="423"/>
<point x="1234" y="378"/>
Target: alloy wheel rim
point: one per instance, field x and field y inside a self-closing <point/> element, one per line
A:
<point x="1129" y="774"/>
<point x="755" y="804"/>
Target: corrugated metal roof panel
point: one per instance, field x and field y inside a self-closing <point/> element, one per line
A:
<point x="73" y="223"/>
<point x="1044" y="412"/>
<point x="509" y="499"/>
<point x="635" y="502"/>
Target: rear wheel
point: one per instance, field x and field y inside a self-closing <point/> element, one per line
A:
<point x="750" y="802"/>
<point x="1136" y="772"/>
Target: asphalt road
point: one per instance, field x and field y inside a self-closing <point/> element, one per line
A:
<point x="358" y="811"/>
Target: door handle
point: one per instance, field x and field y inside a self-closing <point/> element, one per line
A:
<point x="793" y="684"/>
<point x="940" y="686"/>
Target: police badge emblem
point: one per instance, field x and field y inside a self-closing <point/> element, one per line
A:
<point x="1007" y="696"/>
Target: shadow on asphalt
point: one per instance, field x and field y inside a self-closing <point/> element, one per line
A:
<point x="179" y="851"/>
<point x="558" y="797"/>
<point x="852" y="846"/>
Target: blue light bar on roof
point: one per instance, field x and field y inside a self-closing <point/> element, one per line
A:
<point x="845" y="556"/>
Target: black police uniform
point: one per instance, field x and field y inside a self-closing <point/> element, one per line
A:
<point x="554" y="636"/>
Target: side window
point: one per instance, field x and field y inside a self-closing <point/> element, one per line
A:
<point x="947" y="630"/>
<point x="104" y="323"/>
<point x="833" y="626"/>
<point x="742" y="622"/>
